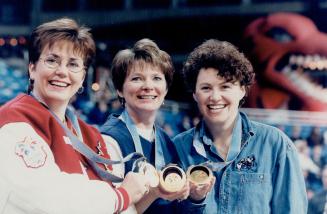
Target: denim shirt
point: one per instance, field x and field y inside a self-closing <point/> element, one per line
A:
<point x="263" y="177"/>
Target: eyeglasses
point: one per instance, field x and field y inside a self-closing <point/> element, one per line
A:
<point x="53" y="63"/>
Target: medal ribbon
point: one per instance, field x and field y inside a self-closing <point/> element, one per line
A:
<point x="92" y="157"/>
<point x="233" y="151"/>
<point x="159" y="158"/>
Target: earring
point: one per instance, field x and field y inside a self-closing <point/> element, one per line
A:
<point x="30" y="85"/>
<point x="163" y="103"/>
<point x="122" y="101"/>
<point x="80" y="90"/>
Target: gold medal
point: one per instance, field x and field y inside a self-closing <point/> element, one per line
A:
<point x="172" y="179"/>
<point x="148" y="170"/>
<point x="150" y="173"/>
<point x="199" y="174"/>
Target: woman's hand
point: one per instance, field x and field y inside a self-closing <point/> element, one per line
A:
<point x="199" y="191"/>
<point x="136" y="186"/>
<point x="179" y="195"/>
<point x="156" y="193"/>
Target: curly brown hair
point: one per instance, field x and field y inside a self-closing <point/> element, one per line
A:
<point x="231" y="64"/>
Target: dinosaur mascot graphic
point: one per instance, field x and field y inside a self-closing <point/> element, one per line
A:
<point x="289" y="54"/>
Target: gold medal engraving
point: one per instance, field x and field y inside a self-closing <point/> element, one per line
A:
<point x="199" y="174"/>
<point x="172" y="179"/>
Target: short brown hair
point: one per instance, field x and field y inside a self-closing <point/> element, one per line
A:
<point x="63" y="29"/>
<point x="223" y="56"/>
<point x="144" y="51"/>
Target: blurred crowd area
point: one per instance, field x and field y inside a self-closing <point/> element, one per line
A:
<point x="99" y="100"/>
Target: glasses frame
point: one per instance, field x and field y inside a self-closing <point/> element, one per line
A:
<point x="56" y="67"/>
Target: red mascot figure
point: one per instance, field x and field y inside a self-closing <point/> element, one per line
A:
<point x="290" y="57"/>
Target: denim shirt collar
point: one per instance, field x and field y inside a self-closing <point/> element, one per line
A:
<point x="247" y="129"/>
<point x="203" y="135"/>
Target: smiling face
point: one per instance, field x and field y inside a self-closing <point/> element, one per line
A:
<point x="217" y="100"/>
<point x="55" y="87"/>
<point x="144" y="89"/>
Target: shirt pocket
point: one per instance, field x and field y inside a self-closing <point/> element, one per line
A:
<point x="250" y="192"/>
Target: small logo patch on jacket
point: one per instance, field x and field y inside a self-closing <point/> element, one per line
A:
<point x="247" y="164"/>
<point x="32" y="152"/>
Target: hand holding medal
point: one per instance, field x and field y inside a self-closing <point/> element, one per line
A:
<point x="201" y="181"/>
<point x="148" y="171"/>
<point x="172" y="179"/>
<point x="171" y="182"/>
<point x="199" y="174"/>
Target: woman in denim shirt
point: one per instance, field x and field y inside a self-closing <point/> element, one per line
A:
<point x="256" y="166"/>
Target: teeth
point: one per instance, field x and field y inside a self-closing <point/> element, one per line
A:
<point x="307" y="61"/>
<point x="300" y="74"/>
<point x="292" y="59"/>
<point x="312" y="62"/>
<point x="60" y="84"/>
<point x="220" y="106"/>
<point x="147" y="97"/>
<point x="299" y="60"/>
<point x="305" y="84"/>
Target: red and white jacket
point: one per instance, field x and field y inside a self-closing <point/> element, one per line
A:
<point x="40" y="172"/>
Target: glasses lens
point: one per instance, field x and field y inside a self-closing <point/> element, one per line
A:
<point x="51" y="62"/>
<point x="75" y="66"/>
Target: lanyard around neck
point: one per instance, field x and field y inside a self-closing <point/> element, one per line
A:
<point x="232" y="152"/>
<point x="159" y="157"/>
<point x="92" y="157"/>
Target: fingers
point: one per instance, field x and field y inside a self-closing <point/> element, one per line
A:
<point x="203" y="187"/>
<point x="185" y="191"/>
<point x="183" y="197"/>
<point x="199" y="192"/>
<point x="147" y="189"/>
<point x="136" y="186"/>
<point x="180" y="195"/>
<point x="146" y="185"/>
<point x="212" y="182"/>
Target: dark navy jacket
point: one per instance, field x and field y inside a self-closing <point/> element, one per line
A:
<point x="116" y="128"/>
